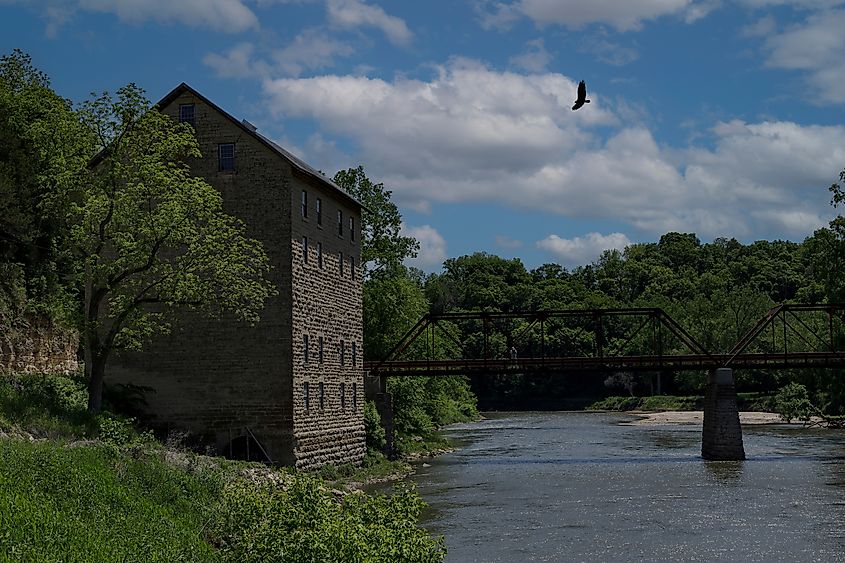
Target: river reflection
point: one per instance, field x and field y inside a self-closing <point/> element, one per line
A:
<point x="586" y="487"/>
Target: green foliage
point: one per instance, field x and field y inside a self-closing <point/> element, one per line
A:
<point x="793" y="402"/>
<point x="383" y="247"/>
<point x="304" y="522"/>
<point x="42" y="144"/>
<point x="92" y="504"/>
<point x="653" y="403"/>
<point x="376" y="440"/>
<point x="46" y="405"/>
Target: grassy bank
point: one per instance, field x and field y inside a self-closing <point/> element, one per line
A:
<point x="757" y="402"/>
<point x="77" y="487"/>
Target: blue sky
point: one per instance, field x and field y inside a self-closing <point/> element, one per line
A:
<point x="719" y="117"/>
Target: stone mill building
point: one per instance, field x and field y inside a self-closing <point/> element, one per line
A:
<point x="290" y="389"/>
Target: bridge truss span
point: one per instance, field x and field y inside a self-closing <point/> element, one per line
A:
<point x="608" y="340"/>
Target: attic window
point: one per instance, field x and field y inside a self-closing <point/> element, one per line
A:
<point x="186" y="113"/>
<point x="226" y="152"/>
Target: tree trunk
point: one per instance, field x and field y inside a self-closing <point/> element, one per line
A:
<point x="95" y="370"/>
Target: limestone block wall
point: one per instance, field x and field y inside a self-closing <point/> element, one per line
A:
<point x="37" y="345"/>
<point x="327" y="309"/>
<point x="219" y="376"/>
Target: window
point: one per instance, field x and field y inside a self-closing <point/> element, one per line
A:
<point x="352" y="228"/>
<point x="186" y="113"/>
<point x="340" y="222"/>
<point x="305" y="347"/>
<point x="320" y="349"/>
<point x="355" y="395"/>
<point x="340" y="262"/>
<point x="342" y="352"/>
<point x="305" y="395"/>
<point x="322" y="395"/>
<point x="343" y="395"/>
<point x="304" y="204"/>
<point x="304" y="250"/>
<point x="319" y="211"/>
<point x="226" y="154"/>
<point x="320" y="255"/>
<point x="354" y="353"/>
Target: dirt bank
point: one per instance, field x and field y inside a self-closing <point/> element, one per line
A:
<point x="697" y="417"/>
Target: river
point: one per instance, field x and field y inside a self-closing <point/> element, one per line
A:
<point x="589" y="487"/>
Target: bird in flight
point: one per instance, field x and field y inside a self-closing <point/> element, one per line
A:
<point x="582" y="96"/>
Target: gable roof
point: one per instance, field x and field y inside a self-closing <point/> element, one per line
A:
<point x="297" y="164"/>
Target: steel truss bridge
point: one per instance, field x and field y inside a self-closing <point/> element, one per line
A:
<point x="608" y="340"/>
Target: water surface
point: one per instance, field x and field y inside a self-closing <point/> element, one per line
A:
<point x="587" y="487"/>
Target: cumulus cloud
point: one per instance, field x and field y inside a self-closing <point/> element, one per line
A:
<point x="815" y="46"/>
<point x="503" y="241"/>
<point x="355" y="13"/>
<point x="228" y="16"/>
<point x="472" y="134"/>
<point x="237" y="63"/>
<point x="312" y="49"/>
<point x="432" y="251"/>
<point x="575" y="14"/>
<point x="581" y="250"/>
<point x="534" y="59"/>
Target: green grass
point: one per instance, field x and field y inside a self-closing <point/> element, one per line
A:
<point x="121" y="496"/>
<point x="60" y="503"/>
<point x="655" y="403"/>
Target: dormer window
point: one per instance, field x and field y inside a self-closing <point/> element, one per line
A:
<point x="186" y="113"/>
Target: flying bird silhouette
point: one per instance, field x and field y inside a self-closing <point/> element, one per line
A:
<point x="582" y="96"/>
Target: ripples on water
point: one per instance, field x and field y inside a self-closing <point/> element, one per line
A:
<point x="585" y="487"/>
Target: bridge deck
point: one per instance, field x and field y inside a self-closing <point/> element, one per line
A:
<point x="691" y="362"/>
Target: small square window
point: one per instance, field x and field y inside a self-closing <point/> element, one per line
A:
<point x="320" y="349"/>
<point x="186" y="113"/>
<point x="319" y="211"/>
<point x="305" y="348"/>
<point x="304" y="250"/>
<point x="304" y="204"/>
<point x="305" y="396"/>
<point x="226" y="154"/>
<point x="352" y="228"/>
<point x="322" y="395"/>
<point x="320" y="255"/>
<point x="343" y="395"/>
<point x="340" y="222"/>
<point x="340" y="262"/>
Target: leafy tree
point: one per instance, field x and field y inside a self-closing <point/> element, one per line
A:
<point x="150" y="237"/>
<point x="41" y="144"/>
<point x="383" y="246"/>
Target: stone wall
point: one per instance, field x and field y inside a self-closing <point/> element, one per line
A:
<point x="327" y="307"/>
<point x="37" y="345"/>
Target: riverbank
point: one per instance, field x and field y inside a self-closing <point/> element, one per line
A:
<point x="697" y="418"/>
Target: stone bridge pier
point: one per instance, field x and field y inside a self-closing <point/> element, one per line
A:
<point x="721" y="436"/>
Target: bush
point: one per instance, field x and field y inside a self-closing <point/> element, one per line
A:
<point x="376" y="439"/>
<point x="305" y="522"/>
<point x="793" y="401"/>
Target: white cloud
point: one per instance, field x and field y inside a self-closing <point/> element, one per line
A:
<point x="472" y="134"/>
<point x="763" y="27"/>
<point x="818" y="47"/>
<point x="311" y="49"/>
<point x="237" y="63"/>
<point x="534" y="59"/>
<point x="575" y="14"/>
<point x="432" y="251"/>
<point x="228" y="16"/>
<point x="355" y="13"/>
<point x="582" y="250"/>
<point x="503" y="241"/>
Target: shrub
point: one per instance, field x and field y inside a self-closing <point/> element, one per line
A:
<point x="793" y="401"/>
